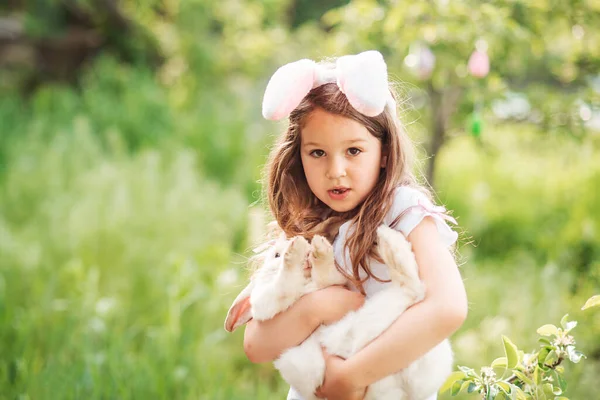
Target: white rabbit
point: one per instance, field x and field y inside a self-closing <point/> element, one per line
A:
<point x="303" y="366"/>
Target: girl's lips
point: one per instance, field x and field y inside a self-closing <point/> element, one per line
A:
<point x="340" y="194"/>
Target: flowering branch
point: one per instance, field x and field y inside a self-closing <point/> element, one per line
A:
<point x="531" y="376"/>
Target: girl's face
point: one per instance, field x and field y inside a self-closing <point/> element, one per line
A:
<point x="341" y="159"/>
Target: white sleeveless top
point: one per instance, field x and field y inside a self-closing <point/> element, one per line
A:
<point x="416" y="206"/>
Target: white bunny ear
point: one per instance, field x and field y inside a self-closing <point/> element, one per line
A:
<point x="259" y="249"/>
<point x="363" y="79"/>
<point x="273" y="230"/>
<point x="287" y="87"/>
<point x="240" y="311"/>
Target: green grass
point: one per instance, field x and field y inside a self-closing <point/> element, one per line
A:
<point x="109" y="273"/>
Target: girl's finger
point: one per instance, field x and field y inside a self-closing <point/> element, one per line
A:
<point x="319" y="394"/>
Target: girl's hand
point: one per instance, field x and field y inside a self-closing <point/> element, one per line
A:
<point x="337" y="384"/>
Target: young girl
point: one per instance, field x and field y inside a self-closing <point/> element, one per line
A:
<point x="345" y="155"/>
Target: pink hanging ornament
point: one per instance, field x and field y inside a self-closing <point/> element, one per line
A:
<point x="479" y="64"/>
<point x="420" y="61"/>
<point x="426" y="63"/>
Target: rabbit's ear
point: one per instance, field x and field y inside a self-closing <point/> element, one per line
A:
<point x="273" y="230"/>
<point x="240" y="311"/>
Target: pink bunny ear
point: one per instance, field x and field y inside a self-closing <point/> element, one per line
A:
<point x="363" y="79"/>
<point x="240" y="311"/>
<point x="287" y="87"/>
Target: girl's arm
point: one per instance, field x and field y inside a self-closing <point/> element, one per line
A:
<point x="266" y="340"/>
<point x="419" y="328"/>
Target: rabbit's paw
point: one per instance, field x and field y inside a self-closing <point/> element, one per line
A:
<point x="393" y="247"/>
<point x="322" y="251"/>
<point x="396" y="252"/>
<point x="323" y="270"/>
<point x="297" y="251"/>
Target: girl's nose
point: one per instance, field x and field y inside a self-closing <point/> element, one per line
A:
<point x="336" y="169"/>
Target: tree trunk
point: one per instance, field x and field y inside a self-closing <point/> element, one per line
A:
<point x="438" y="130"/>
<point x="443" y="104"/>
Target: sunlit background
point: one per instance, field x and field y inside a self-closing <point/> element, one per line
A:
<point x="131" y="145"/>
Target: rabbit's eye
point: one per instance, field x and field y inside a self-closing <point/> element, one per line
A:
<point x="277" y="255"/>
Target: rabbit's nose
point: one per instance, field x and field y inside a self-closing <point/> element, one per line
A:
<point x="307" y="264"/>
<point x="307" y="267"/>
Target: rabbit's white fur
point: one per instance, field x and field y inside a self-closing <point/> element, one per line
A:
<point x="283" y="280"/>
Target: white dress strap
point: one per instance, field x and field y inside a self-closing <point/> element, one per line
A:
<point x="410" y="206"/>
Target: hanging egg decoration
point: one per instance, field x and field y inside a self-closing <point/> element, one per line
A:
<point x="426" y="63"/>
<point x="479" y="67"/>
<point x="420" y="60"/>
<point x="475" y="124"/>
<point x="479" y="62"/>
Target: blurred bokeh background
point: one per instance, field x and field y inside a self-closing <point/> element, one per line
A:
<point x="131" y="145"/>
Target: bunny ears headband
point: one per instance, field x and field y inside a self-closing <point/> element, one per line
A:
<point x="361" y="77"/>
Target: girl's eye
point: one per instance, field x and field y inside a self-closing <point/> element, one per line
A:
<point x="353" y="151"/>
<point x="317" y="153"/>
<point x="277" y="255"/>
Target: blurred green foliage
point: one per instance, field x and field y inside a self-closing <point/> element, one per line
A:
<point x="124" y="198"/>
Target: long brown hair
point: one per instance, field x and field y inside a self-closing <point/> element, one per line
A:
<point x="299" y="212"/>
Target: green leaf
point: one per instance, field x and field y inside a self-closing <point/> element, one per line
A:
<point x="567" y="325"/>
<point x="456" y="386"/>
<point x="593" y="301"/>
<point x="561" y="398"/>
<point x="501" y="396"/>
<point x="466" y="385"/>
<point x="468" y="371"/>
<point x="544" y="341"/>
<point x="556" y="390"/>
<point x="548" y="330"/>
<point x="519" y="392"/>
<point x="574" y="355"/>
<point x="505" y="386"/>
<point x="570" y="325"/>
<point x="454" y="376"/>
<point x="551" y="358"/>
<point x="524" y="378"/>
<point x="537" y="375"/>
<point x="562" y="383"/>
<point x="513" y="394"/>
<point x="543" y="353"/>
<point x="563" y="320"/>
<point x="548" y="389"/>
<point x="472" y="387"/>
<point x="499" y="362"/>
<point x="540" y="394"/>
<point x="511" y="352"/>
